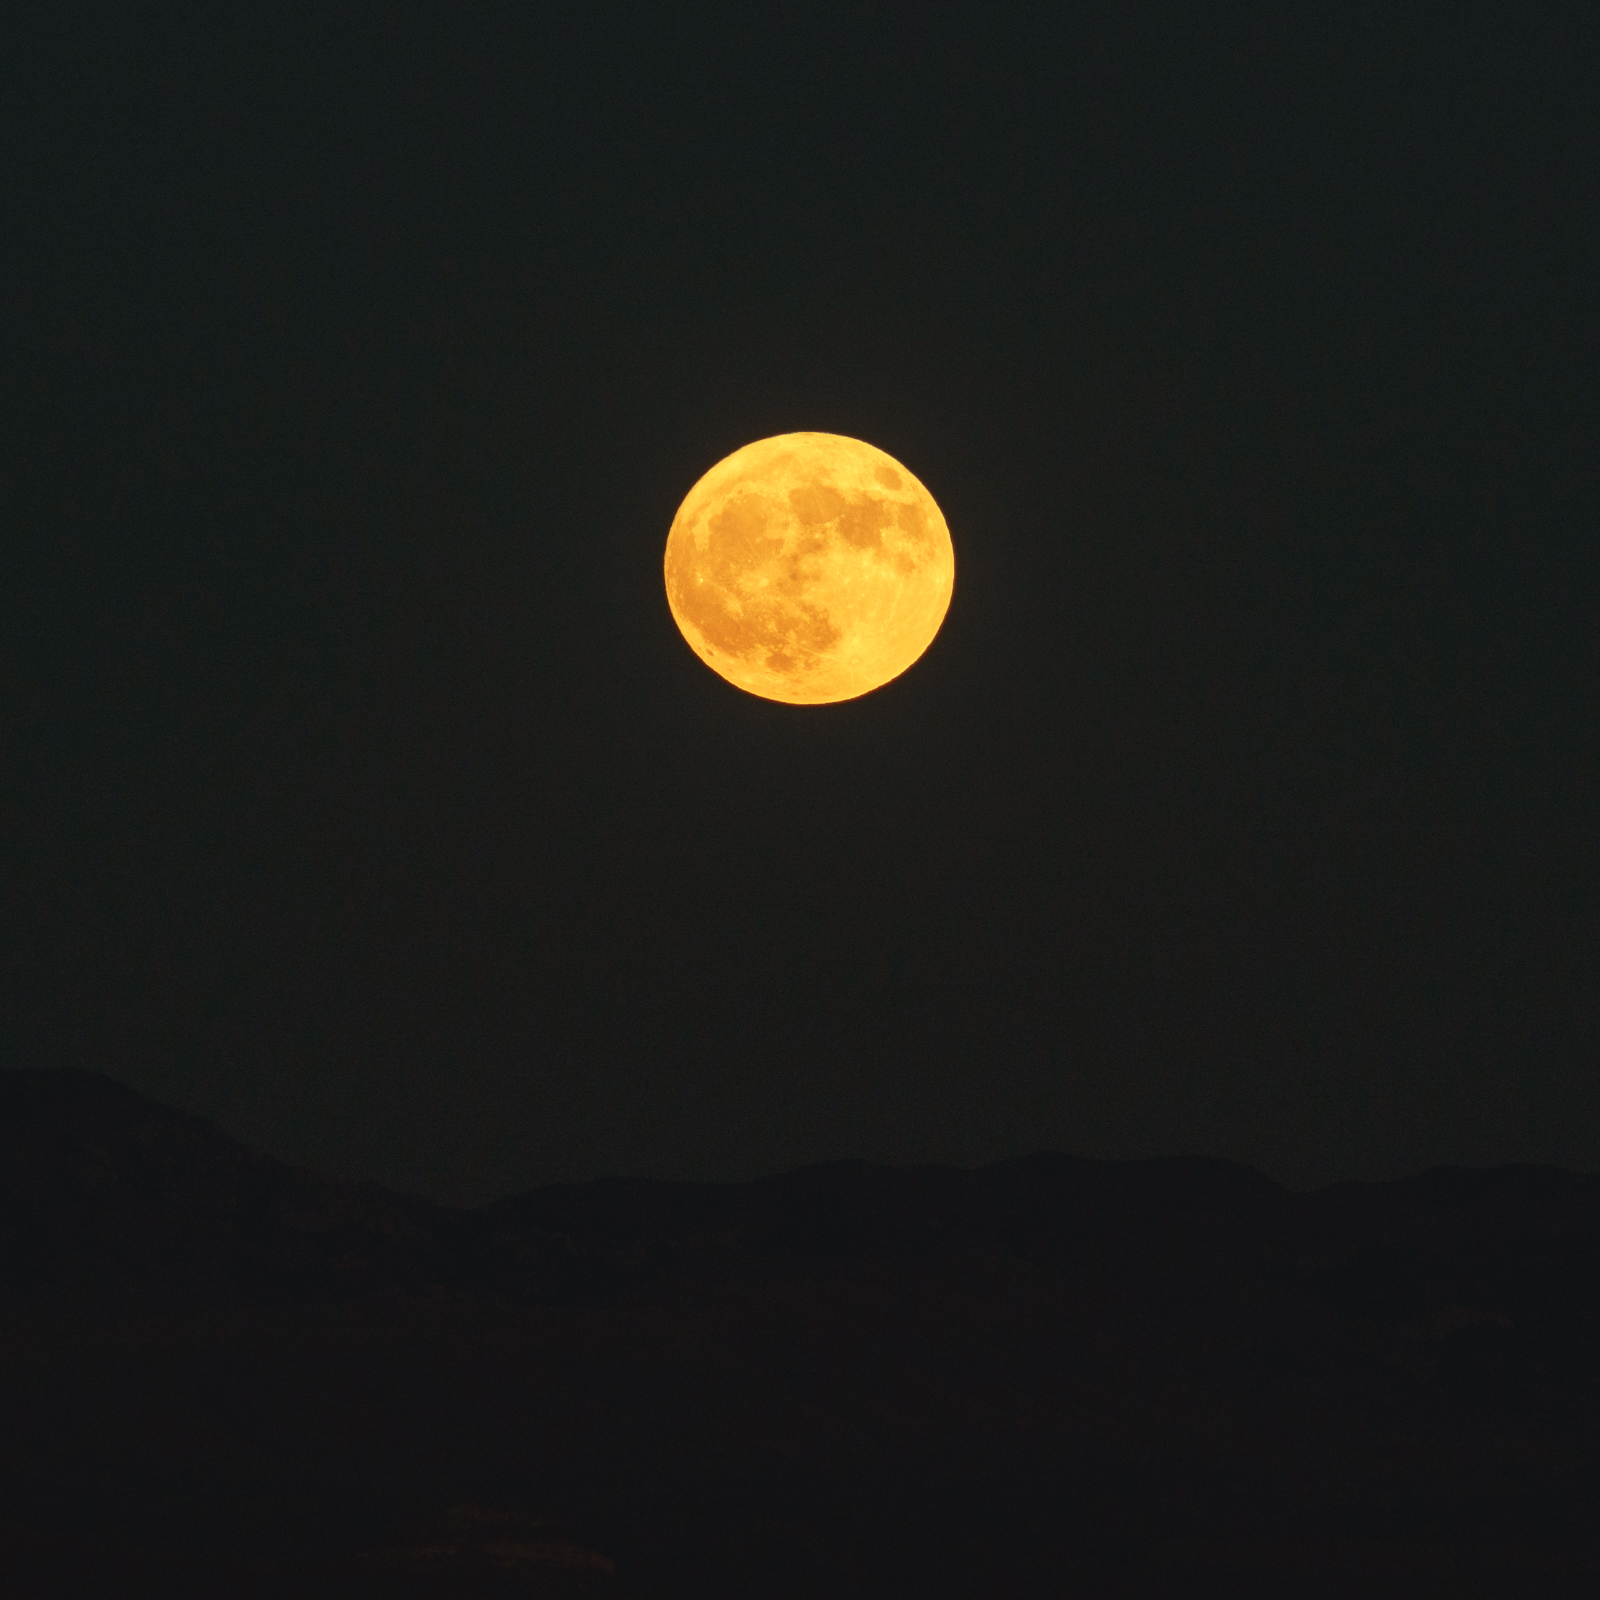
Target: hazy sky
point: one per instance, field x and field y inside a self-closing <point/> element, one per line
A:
<point x="358" y="791"/>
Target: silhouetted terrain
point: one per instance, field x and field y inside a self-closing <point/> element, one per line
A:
<point x="1053" y="1376"/>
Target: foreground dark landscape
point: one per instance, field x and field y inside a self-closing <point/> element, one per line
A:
<point x="225" y="1376"/>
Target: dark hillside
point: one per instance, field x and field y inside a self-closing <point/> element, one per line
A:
<point x="1045" y="1377"/>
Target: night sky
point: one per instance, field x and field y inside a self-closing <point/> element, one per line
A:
<point x="358" y="791"/>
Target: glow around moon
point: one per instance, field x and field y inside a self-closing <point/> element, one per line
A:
<point x="809" y="568"/>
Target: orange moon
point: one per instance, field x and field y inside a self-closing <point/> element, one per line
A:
<point x="809" y="568"/>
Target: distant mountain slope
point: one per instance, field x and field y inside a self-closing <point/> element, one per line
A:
<point x="105" y="1191"/>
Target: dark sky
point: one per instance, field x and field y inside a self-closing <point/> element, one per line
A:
<point x="359" y="792"/>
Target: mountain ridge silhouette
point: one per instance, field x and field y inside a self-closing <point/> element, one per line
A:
<point x="1049" y="1375"/>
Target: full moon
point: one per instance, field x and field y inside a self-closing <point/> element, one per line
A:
<point x="809" y="568"/>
